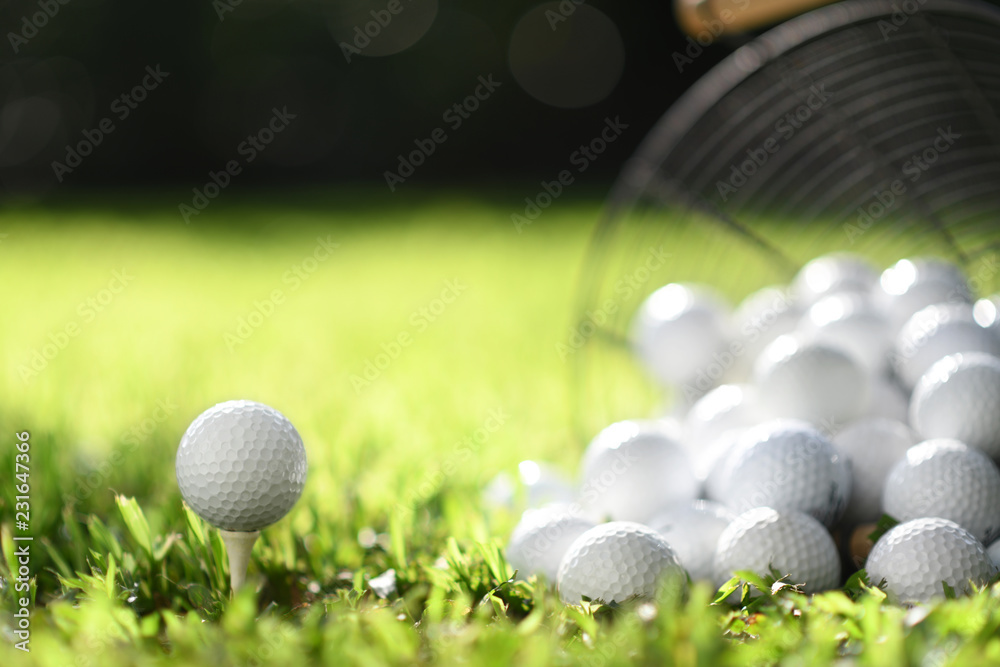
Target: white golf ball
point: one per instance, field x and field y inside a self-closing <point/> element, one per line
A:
<point x="721" y="450"/>
<point x="616" y="561"/>
<point x="693" y="531"/>
<point x="241" y="465"/>
<point x="727" y="407"/>
<point x="759" y="319"/>
<point x="678" y="330"/>
<point x="541" y="539"/>
<point x="638" y="470"/>
<point x="993" y="551"/>
<point x="793" y="543"/>
<point x="910" y="285"/>
<point x="790" y="466"/>
<point x="915" y="557"/>
<point x="544" y="484"/>
<point x="832" y="274"/>
<point x="936" y="332"/>
<point x="872" y="447"/>
<point x="987" y="312"/>
<point x="888" y="400"/>
<point x="947" y="479"/>
<point x="811" y="381"/>
<point x="612" y="436"/>
<point x="959" y="397"/>
<point x="849" y="321"/>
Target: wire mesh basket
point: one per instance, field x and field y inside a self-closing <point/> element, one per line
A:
<point x="868" y="126"/>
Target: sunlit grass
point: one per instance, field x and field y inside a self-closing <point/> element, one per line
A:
<point x="126" y="576"/>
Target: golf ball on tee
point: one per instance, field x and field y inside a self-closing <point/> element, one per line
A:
<point x="615" y="561"/>
<point x="790" y="466"/>
<point x="915" y="557"/>
<point x="947" y="479"/>
<point x="678" y="330"/>
<point x="959" y="397"/>
<point x="793" y="543"/>
<point x="241" y="465"/>
<point x="638" y="470"/>
<point x="693" y="531"/>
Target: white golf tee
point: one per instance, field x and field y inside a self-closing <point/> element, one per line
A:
<point x="238" y="545"/>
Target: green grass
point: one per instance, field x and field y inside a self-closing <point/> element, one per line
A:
<point x="124" y="575"/>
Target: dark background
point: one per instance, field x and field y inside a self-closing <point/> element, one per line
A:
<point x="352" y="118"/>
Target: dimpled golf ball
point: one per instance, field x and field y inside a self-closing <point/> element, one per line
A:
<point x="241" y="465"/>
<point x="959" y="397"/>
<point x="910" y="285"/>
<point x="872" y="447"/>
<point x="915" y="557"/>
<point x="832" y="274"/>
<point x="936" y="332"/>
<point x="790" y="466"/>
<point x="793" y="543"/>
<point x="947" y="479"/>
<point x="638" y="470"/>
<point x="811" y="381"/>
<point x="615" y="561"/>
<point x="541" y="539"/>
<point x="693" y="531"/>
<point x="678" y="330"/>
<point x="849" y="321"/>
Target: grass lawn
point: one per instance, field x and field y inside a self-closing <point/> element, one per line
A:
<point x="416" y="347"/>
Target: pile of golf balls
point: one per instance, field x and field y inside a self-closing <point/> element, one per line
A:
<point x="806" y="412"/>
